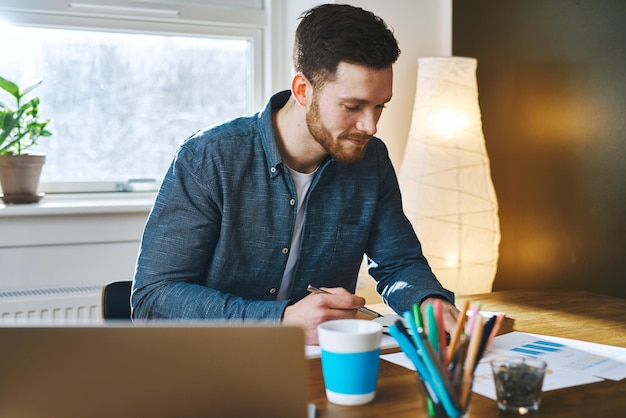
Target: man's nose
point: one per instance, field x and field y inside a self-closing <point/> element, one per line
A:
<point x="367" y="123"/>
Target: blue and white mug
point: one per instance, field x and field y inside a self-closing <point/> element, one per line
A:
<point x="350" y="359"/>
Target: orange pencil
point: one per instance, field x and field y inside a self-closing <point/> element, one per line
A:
<point x="460" y="323"/>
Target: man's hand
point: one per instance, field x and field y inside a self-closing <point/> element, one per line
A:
<point x="314" y="309"/>
<point x="449" y="311"/>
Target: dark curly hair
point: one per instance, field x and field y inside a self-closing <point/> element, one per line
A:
<point x="331" y="33"/>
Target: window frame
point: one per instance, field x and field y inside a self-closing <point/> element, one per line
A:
<point x="152" y="17"/>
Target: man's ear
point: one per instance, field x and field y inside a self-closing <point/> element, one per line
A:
<point x="301" y="89"/>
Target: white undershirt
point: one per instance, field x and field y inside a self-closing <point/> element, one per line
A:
<point x="303" y="182"/>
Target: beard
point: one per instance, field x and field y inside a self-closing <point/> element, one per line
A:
<point x="342" y="151"/>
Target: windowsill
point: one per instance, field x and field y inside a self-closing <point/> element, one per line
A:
<point x="82" y="203"/>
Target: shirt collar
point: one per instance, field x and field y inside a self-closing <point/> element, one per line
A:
<point x="268" y="134"/>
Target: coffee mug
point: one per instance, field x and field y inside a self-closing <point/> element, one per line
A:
<point x="350" y="359"/>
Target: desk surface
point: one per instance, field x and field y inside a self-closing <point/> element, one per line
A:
<point x="577" y="315"/>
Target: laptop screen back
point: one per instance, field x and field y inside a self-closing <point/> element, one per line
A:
<point x="155" y="371"/>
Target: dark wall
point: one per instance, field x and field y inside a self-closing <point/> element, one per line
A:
<point x="552" y="87"/>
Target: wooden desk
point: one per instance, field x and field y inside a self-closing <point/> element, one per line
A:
<point x="577" y="315"/>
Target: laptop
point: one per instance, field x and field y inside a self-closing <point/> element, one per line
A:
<point x="154" y="370"/>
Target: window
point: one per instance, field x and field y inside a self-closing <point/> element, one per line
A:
<point x="125" y="85"/>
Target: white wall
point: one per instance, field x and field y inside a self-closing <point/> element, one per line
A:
<point x="68" y="243"/>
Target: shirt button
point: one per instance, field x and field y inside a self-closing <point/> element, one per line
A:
<point x="292" y="202"/>
<point x="272" y="290"/>
<point x="273" y="169"/>
<point x="285" y="250"/>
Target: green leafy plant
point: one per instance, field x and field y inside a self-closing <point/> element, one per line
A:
<point x="21" y="127"/>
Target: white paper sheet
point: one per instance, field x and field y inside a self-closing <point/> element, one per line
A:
<point x="570" y="362"/>
<point x="565" y="354"/>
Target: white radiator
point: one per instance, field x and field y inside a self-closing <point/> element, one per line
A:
<point x="55" y="304"/>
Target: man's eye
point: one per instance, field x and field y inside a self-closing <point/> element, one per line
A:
<point x="351" y="108"/>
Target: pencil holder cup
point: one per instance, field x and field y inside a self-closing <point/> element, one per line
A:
<point x="435" y="408"/>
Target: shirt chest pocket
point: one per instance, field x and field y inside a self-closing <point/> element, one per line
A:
<point x="348" y="247"/>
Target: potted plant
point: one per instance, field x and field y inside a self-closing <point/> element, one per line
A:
<point x="20" y="128"/>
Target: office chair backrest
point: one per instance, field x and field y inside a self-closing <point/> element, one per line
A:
<point x="116" y="300"/>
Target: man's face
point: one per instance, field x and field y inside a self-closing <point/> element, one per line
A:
<point x="344" y="112"/>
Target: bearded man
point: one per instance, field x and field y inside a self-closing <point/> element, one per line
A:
<point x="253" y="211"/>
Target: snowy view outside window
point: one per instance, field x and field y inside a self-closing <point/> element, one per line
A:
<point x="122" y="103"/>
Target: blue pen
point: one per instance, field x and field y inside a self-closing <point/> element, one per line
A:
<point x="440" y="381"/>
<point x="440" y="370"/>
<point x="427" y="379"/>
<point x="408" y="348"/>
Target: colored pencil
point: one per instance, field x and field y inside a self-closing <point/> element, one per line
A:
<point x="460" y="323"/>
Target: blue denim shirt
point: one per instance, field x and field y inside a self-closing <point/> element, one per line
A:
<point x="217" y="240"/>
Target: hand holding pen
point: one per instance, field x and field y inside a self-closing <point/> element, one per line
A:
<point x="364" y="310"/>
<point x="312" y="310"/>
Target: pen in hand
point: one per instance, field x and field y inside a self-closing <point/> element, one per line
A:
<point x="367" y="311"/>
